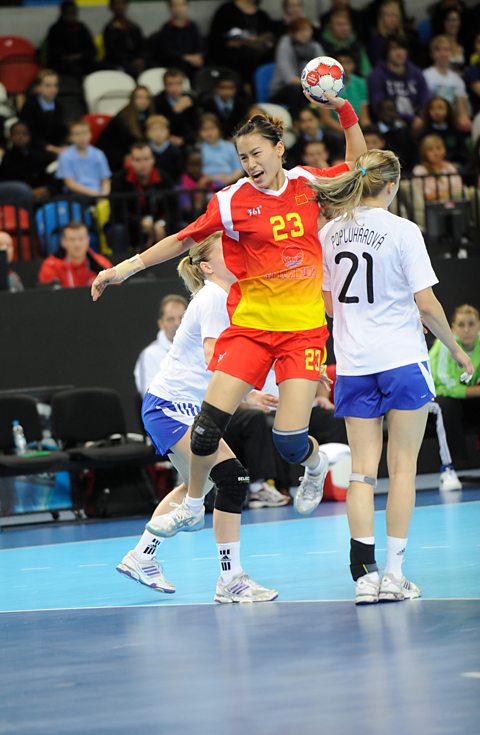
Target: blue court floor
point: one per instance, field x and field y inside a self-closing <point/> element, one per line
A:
<point x="85" y="650"/>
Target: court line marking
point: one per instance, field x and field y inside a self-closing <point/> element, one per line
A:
<point x="261" y="523"/>
<point x="168" y="605"/>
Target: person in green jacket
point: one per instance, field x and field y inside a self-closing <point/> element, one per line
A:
<point x="460" y="402"/>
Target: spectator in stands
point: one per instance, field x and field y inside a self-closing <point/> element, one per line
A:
<point x="170" y="313"/>
<point x="443" y="82"/>
<point x="178" y="42"/>
<point x="193" y="201"/>
<point x="177" y="106"/>
<point x="374" y="139"/>
<point x="14" y="282"/>
<point x="460" y="402"/>
<point x="339" y="34"/>
<point x="396" y="132"/>
<point x="126" y="127"/>
<point x="293" y="51"/>
<point x="451" y="26"/>
<point x="220" y="162"/>
<point x="27" y="163"/>
<point x="227" y="103"/>
<point x="440" y="120"/>
<point x="389" y="23"/>
<point x="307" y="127"/>
<point x="123" y="40"/>
<point x="167" y="156"/>
<point x="43" y="114"/>
<point x="396" y="78"/>
<point x="355" y="91"/>
<point x="436" y="187"/>
<point x="356" y="17"/>
<point x="291" y="10"/>
<point x="472" y="78"/>
<point x="83" y="168"/>
<point x="75" y="264"/>
<point x="138" y="222"/>
<point x="315" y="153"/>
<point x="242" y="38"/>
<point x="69" y="45"/>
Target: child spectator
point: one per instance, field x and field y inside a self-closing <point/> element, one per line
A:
<point x="43" y="114"/>
<point x="315" y="154"/>
<point x="443" y="82"/>
<point x="440" y="120"/>
<point x="355" y="91"/>
<point x="307" y="127"/>
<point x="75" y="264"/>
<point x="339" y="34"/>
<point x="227" y="103"/>
<point x="24" y="162"/>
<point x="83" y="168"/>
<point x="192" y="201"/>
<point x="220" y="162"/>
<point x="374" y="139"/>
<point x="460" y="402"/>
<point x="451" y="26"/>
<point x="389" y="23"/>
<point x="293" y="51"/>
<point x="177" y="106"/>
<point x="396" y="133"/>
<point x="396" y="78"/>
<point x="178" y="42"/>
<point x="123" y="40"/>
<point x="167" y="156"/>
<point x="433" y="161"/>
<point x="69" y="45"/>
<point x="127" y="127"/>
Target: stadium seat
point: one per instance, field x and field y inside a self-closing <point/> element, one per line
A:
<point x="424" y="31"/>
<point x="18" y="64"/>
<point x="262" y="80"/>
<point x="106" y="92"/>
<point x="16" y="221"/>
<point x="51" y="217"/>
<point x="153" y="80"/>
<point x="97" y="124"/>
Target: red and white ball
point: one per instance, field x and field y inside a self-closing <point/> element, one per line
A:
<point x="323" y="74"/>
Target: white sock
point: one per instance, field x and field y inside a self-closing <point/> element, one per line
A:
<point x="256" y="486"/>
<point x="147" y="546"/>
<point x="195" y="504"/>
<point x="229" y="558"/>
<point x="395" y="554"/>
<point x="365" y="539"/>
<point x="318" y="467"/>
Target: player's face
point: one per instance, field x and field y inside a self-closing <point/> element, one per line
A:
<point x="261" y="160"/>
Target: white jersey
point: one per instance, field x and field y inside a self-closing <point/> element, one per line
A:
<point x="149" y="361"/>
<point x="373" y="265"/>
<point x="183" y="375"/>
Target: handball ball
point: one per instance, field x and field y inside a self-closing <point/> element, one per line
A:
<point x="323" y="74"/>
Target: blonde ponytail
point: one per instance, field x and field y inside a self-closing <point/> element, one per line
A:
<point x="341" y="195"/>
<point x="189" y="267"/>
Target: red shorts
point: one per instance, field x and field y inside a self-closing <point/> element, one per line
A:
<point x="249" y="354"/>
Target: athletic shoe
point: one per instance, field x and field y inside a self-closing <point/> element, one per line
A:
<point x="449" y="480"/>
<point x="149" y="573"/>
<point x="394" y="590"/>
<point x="267" y="497"/>
<point x="182" y="518"/>
<point x="243" y="589"/>
<point x="310" y="490"/>
<point x="366" y="590"/>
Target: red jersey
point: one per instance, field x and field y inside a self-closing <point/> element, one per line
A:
<point x="68" y="274"/>
<point x="271" y="245"/>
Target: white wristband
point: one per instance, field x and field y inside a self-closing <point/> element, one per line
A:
<point x="129" y="267"/>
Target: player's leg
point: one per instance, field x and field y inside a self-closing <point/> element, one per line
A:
<point x="365" y="439"/>
<point x="405" y="434"/>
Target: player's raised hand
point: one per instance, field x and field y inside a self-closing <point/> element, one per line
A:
<point x="333" y="102"/>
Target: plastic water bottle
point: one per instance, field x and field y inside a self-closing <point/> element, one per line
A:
<point x="19" y="441"/>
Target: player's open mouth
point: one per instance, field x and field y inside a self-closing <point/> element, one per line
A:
<point x="257" y="175"/>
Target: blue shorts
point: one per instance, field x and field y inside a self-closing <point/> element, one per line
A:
<point x="166" y="422"/>
<point x="369" y="396"/>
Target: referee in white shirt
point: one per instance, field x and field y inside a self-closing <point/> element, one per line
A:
<point x="378" y="287"/>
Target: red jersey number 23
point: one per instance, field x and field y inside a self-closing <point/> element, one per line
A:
<point x="289" y="226"/>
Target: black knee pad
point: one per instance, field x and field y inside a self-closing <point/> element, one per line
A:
<point x="208" y="428"/>
<point x="232" y="481"/>
<point x="362" y="559"/>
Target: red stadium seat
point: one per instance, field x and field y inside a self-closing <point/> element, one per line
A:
<point x="18" y="65"/>
<point x="18" y="227"/>
<point x="97" y="123"/>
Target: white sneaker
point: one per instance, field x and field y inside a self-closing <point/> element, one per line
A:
<point x="181" y="518"/>
<point x="449" y="480"/>
<point x="310" y="490"/>
<point x="243" y="589"/>
<point x="366" y="590"/>
<point x="395" y="590"/>
<point x="267" y="497"/>
<point x="149" y="573"/>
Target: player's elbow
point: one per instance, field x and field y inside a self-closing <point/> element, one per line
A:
<point x="426" y="301"/>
